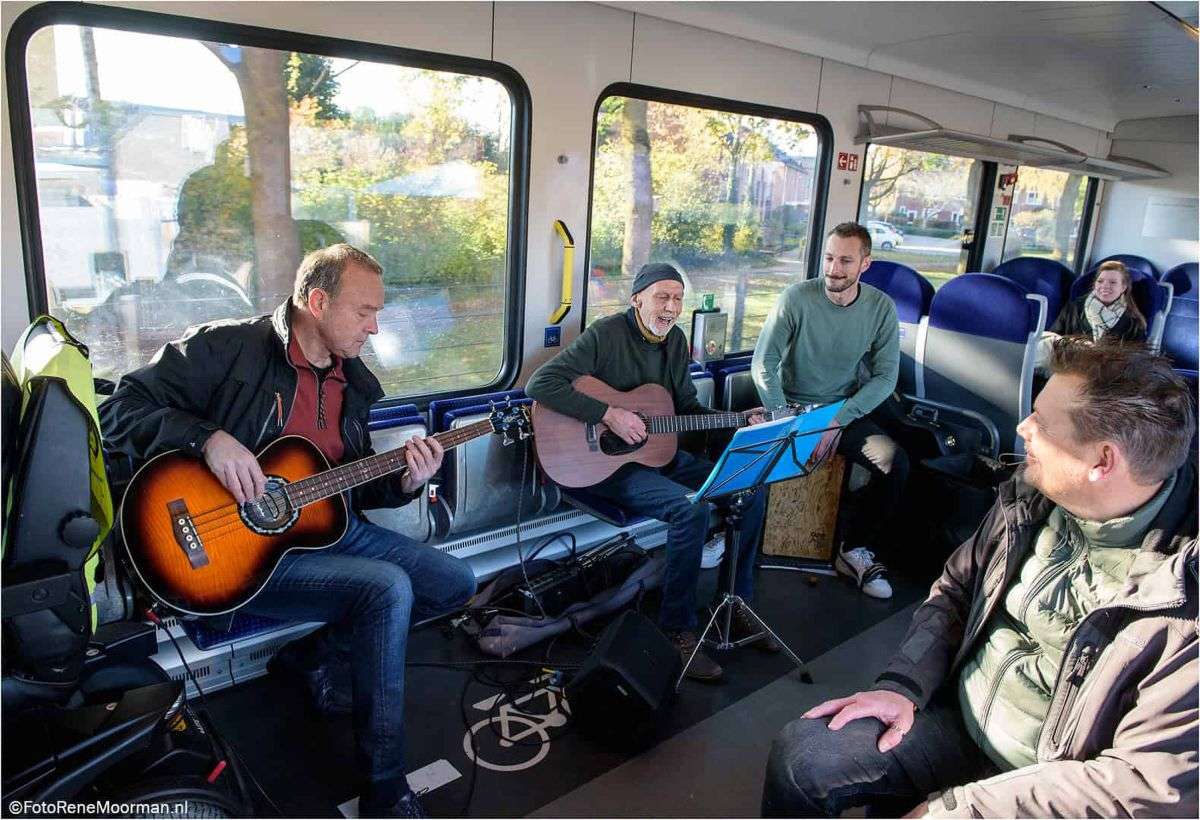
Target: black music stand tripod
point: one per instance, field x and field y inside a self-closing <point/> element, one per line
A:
<point x="756" y="456"/>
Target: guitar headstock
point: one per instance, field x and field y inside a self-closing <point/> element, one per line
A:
<point x="510" y="423"/>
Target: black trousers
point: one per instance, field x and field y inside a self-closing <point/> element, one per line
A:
<point x="868" y="515"/>
<point x="814" y="772"/>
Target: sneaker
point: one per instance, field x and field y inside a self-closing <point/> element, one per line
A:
<point x="703" y="668"/>
<point x="745" y="627"/>
<point x="860" y="566"/>
<point x="714" y="551"/>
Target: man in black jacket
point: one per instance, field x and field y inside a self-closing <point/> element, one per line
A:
<point x="229" y="388"/>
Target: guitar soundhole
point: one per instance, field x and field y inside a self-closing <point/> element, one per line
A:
<point x="613" y="445"/>
<point x="273" y="512"/>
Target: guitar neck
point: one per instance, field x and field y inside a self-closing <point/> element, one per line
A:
<point x="347" y="476"/>
<point x="688" y="424"/>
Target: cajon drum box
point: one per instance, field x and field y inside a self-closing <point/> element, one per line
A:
<point x="802" y="513"/>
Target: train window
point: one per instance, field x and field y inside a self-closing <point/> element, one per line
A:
<point x="180" y="180"/>
<point x="727" y="195"/>
<point x="1047" y="214"/>
<point x="920" y="209"/>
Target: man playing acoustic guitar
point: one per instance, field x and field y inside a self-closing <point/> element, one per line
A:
<point x="230" y="388"/>
<point x="643" y="346"/>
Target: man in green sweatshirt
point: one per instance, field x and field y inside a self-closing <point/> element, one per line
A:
<point x="626" y="350"/>
<point x="835" y="338"/>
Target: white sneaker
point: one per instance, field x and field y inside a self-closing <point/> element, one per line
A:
<point x="714" y="550"/>
<point x="860" y="565"/>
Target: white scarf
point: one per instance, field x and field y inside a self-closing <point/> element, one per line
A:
<point x="1102" y="317"/>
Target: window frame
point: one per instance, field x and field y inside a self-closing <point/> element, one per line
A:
<point x="987" y="189"/>
<point x="823" y="167"/>
<point x="146" y="22"/>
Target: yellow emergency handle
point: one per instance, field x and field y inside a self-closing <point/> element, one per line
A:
<point x="568" y="268"/>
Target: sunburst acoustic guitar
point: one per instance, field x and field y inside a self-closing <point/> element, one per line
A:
<point x="200" y="552"/>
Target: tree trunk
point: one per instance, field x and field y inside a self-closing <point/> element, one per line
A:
<point x="636" y="250"/>
<point x="276" y="240"/>
<point x="100" y="127"/>
<point x="1064" y="217"/>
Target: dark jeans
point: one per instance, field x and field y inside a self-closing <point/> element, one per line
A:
<point x="814" y="772"/>
<point x="661" y="494"/>
<point x="369" y="587"/>
<point x="869" y="516"/>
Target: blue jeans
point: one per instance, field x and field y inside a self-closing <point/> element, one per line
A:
<point x="661" y="494"/>
<point x="369" y="587"/>
<point x="813" y="772"/>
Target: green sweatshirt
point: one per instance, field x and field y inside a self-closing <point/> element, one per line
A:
<point x="810" y="350"/>
<point x="614" y="351"/>
<point x="1076" y="566"/>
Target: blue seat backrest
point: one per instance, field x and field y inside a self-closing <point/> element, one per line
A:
<point x="439" y="407"/>
<point x="695" y="367"/>
<point x="984" y="304"/>
<point x="1179" y="340"/>
<point x="721" y="369"/>
<point x="910" y="291"/>
<point x="1133" y="262"/>
<point x="1183" y="279"/>
<point x="383" y="417"/>
<point x="1036" y="274"/>
<point x="1148" y="293"/>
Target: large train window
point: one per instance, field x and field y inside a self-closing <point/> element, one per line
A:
<point x="1047" y="215"/>
<point x="181" y="171"/>
<point x="920" y="208"/>
<point x="730" y="194"/>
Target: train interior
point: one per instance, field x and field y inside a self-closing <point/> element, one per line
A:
<point x="511" y="165"/>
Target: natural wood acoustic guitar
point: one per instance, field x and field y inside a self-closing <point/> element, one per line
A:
<point x="574" y="453"/>
<point x="200" y="552"/>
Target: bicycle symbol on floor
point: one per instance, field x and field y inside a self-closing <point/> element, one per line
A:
<point x="512" y="739"/>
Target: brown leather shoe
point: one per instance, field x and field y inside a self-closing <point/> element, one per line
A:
<point x="703" y="668"/>
<point x="745" y="627"/>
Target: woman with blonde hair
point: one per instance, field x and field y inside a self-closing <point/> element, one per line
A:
<point x="1108" y="312"/>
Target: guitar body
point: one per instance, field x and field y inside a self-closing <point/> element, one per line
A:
<point x="231" y="561"/>
<point x="575" y="454"/>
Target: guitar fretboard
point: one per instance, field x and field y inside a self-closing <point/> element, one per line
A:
<point x="688" y="424"/>
<point x="339" y="479"/>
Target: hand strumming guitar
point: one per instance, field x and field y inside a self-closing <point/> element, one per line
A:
<point x="828" y="441"/>
<point x="234" y="466"/>
<point x="423" y="457"/>
<point x="626" y="424"/>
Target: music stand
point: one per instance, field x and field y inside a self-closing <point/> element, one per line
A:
<point x="755" y="457"/>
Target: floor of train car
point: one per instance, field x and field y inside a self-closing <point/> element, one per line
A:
<point x="305" y="762"/>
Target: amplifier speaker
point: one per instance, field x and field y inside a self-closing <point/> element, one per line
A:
<point x="625" y="688"/>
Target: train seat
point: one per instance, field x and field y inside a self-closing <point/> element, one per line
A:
<point x="912" y="295"/>
<point x="390" y="428"/>
<point x="1131" y="261"/>
<point x="720" y="370"/>
<point x="1037" y="274"/>
<point x="1183" y="279"/>
<point x="1153" y="298"/>
<point x="1179" y="341"/>
<point x="736" y="388"/>
<point x="482" y="478"/>
<point x="977" y="361"/>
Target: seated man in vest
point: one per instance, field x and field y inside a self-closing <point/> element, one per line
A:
<point x="1052" y="670"/>
<point x="626" y="350"/>
<point x="813" y="345"/>
<point x="226" y="390"/>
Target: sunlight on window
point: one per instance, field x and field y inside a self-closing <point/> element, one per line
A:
<point x="1047" y="211"/>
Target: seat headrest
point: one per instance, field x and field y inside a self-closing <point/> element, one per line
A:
<point x="1183" y="278"/>
<point x="909" y="290"/>
<point x="1131" y="261"/>
<point x="983" y="304"/>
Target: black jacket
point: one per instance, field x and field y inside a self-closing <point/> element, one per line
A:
<point x="233" y="375"/>
<point x="1072" y="321"/>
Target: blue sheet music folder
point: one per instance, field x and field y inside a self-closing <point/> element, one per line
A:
<point x="788" y="442"/>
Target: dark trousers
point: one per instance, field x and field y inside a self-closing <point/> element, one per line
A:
<point x="869" y="515"/>
<point x="662" y="494"/>
<point x="369" y="587"/>
<point x="814" y="772"/>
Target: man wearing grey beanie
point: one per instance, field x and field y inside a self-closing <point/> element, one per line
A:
<point x="626" y="350"/>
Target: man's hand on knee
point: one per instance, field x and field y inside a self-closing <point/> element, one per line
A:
<point x="892" y="710"/>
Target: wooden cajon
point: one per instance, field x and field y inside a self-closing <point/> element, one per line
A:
<point x="802" y="513"/>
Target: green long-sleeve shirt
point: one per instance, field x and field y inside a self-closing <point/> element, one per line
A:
<point x="810" y="350"/>
<point x="614" y="351"/>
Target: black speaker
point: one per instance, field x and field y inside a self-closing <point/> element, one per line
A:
<point x="624" y="689"/>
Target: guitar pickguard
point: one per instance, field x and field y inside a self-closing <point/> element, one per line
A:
<point x="272" y="513"/>
<point x="613" y="445"/>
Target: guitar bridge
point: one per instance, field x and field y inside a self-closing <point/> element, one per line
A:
<point x="185" y="533"/>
